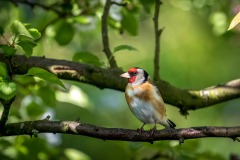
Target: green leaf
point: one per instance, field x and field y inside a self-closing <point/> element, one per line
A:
<point x="8" y="89"/>
<point x="75" y="154"/>
<point x="3" y="70"/>
<point x="114" y="23"/>
<point x="64" y="33"/>
<point x="124" y="47"/>
<point x="34" y="110"/>
<point x="45" y="75"/>
<point x="34" y="33"/>
<point x="1" y="30"/>
<point x="48" y="96"/>
<point x="8" y="50"/>
<point x="86" y="57"/>
<point x="147" y="5"/>
<point x="234" y="22"/>
<point x="25" y="38"/>
<point x="27" y="46"/>
<point x="130" y="23"/>
<point x="18" y="28"/>
<point x="82" y="20"/>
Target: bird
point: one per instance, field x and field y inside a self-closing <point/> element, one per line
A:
<point x="145" y="100"/>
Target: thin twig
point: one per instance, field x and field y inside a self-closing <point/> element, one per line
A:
<point x="124" y="4"/>
<point x="77" y="128"/>
<point x="6" y="40"/>
<point x="105" y="39"/>
<point x="157" y="34"/>
<point x="6" y="108"/>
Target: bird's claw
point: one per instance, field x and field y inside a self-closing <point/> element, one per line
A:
<point x="141" y="130"/>
<point x="153" y="130"/>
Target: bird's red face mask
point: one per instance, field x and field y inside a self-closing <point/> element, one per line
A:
<point x="130" y="75"/>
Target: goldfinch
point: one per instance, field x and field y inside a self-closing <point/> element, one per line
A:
<point x="144" y="99"/>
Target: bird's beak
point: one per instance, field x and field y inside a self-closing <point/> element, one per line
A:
<point x="125" y="75"/>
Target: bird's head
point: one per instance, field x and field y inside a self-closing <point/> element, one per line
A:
<point x="136" y="75"/>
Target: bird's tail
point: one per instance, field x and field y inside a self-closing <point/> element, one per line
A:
<point x="171" y="124"/>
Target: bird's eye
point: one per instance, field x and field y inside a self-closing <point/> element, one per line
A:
<point x="133" y="73"/>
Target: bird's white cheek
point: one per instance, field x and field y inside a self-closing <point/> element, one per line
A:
<point x="130" y="92"/>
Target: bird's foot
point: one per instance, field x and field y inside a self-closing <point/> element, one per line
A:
<point x="141" y="130"/>
<point x="153" y="130"/>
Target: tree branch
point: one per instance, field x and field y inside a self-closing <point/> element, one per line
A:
<point x="6" y="108"/>
<point x="76" y="128"/>
<point x="109" y="78"/>
<point x="124" y="4"/>
<point x="105" y="39"/>
<point x="34" y="4"/>
<point x="157" y="33"/>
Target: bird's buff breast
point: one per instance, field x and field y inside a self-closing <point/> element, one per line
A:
<point x="141" y="109"/>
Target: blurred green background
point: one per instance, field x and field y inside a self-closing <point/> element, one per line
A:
<point x="196" y="52"/>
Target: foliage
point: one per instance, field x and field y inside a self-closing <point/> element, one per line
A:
<point x="235" y="21"/>
<point x="71" y="30"/>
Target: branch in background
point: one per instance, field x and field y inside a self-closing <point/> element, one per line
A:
<point x="105" y="39"/>
<point x="109" y="78"/>
<point x="36" y="4"/>
<point x="157" y="33"/>
<point x="6" y="108"/>
<point x="61" y="14"/>
<point x="124" y="4"/>
<point x="76" y="128"/>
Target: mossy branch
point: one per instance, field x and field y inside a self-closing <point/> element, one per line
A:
<point x="109" y="78"/>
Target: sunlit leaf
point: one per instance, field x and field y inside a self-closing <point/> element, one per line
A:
<point x="114" y="23"/>
<point x="25" y="38"/>
<point x="27" y="46"/>
<point x="124" y="47"/>
<point x="234" y="22"/>
<point x="34" y="33"/>
<point x="64" y="33"/>
<point x="18" y="28"/>
<point x="86" y="57"/>
<point x="8" y="50"/>
<point x="8" y="89"/>
<point x="45" y="75"/>
<point x="3" y="70"/>
<point x="82" y="19"/>
<point x="74" y="154"/>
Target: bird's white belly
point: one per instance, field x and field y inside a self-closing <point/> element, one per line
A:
<point x="144" y="111"/>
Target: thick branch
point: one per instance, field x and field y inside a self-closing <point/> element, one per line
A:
<point x="105" y="38"/>
<point x="73" y="127"/>
<point x="109" y="78"/>
<point x="157" y="34"/>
